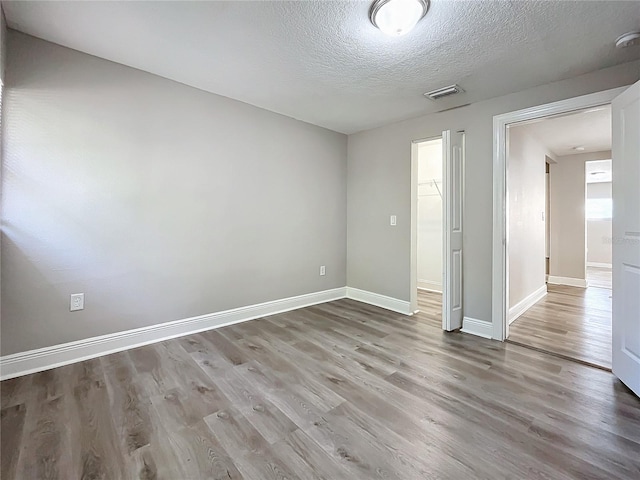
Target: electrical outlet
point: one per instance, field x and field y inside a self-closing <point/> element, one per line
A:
<point x="76" y="302"/>
<point x="393" y="221"/>
<point x="322" y="270"/>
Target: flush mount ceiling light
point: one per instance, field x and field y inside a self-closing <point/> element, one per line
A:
<point x="629" y="39"/>
<point x="579" y="148"/>
<point x="397" y="17"/>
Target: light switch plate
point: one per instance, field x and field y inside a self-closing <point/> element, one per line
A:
<point x="76" y="302"/>
<point x="393" y="221"/>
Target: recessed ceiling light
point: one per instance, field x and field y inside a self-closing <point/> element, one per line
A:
<point x="397" y="17"/>
<point x="579" y="149"/>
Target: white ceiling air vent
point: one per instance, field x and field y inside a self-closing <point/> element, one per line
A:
<point x="443" y="92"/>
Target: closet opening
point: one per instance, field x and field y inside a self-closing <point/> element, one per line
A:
<point x="429" y="255"/>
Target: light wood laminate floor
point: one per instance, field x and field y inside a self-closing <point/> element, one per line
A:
<point x="430" y="306"/>
<point x="599" y="277"/>
<point x="335" y="391"/>
<point x="570" y="321"/>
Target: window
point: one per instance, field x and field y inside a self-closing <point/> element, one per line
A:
<point x="599" y="208"/>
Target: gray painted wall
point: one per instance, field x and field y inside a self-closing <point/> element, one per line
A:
<point x="157" y="200"/>
<point x="567" y="195"/>
<point x="379" y="184"/>
<point x="526" y="161"/>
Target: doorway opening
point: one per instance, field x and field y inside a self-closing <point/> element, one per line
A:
<point x="599" y="214"/>
<point x="430" y="229"/>
<point x="556" y="262"/>
<point x="446" y="183"/>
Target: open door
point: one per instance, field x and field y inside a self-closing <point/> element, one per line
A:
<point x="453" y="177"/>
<point x="626" y="237"/>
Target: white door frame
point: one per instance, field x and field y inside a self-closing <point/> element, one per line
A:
<point x="500" y="273"/>
<point x="413" y="297"/>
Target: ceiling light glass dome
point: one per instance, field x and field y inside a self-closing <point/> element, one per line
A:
<point x="397" y="17"/>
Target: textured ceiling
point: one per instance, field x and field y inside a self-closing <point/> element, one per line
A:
<point x="590" y="129"/>
<point x="324" y="63"/>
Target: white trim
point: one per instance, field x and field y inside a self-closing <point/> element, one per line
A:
<point x="500" y="122"/>
<point x="378" y="300"/>
<point x="571" y="282"/>
<point x="599" y="265"/>
<point x="23" y="363"/>
<point x="413" y="254"/>
<point x="480" y="328"/>
<point x="447" y="207"/>
<point x="526" y="303"/>
<point x="432" y="290"/>
<point x="430" y="286"/>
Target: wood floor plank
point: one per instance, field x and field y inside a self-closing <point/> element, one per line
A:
<point x="250" y="401"/>
<point x="599" y="277"/>
<point x="98" y="440"/>
<point x="128" y="408"/>
<point x="200" y="454"/>
<point x="226" y="347"/>
<point x="16" y="391"/>
<point x="570" y="321"/>
<point x="11" y="426"/>
<point x="43" y="455"/>
<point x="251" y="452"/>
<point x="301" y="405"/>
<point x="299" y="444"/>
<point x="337" y="390"/>
<point x="288" y="371"/>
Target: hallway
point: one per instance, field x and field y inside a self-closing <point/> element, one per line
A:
<point x="570" y="322"/>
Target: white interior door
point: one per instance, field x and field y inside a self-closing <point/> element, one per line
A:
<point x="626" y="237"/>
<point x="452" y="181"/>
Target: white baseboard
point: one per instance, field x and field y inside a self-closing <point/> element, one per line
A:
<point x="526" y="303"/>
<point x="32" y="361"/>
<point x="429" y="290"/>
<point x="378" y="300"/>
<point x="477" y="327"/>
<point x="599" y="265"/>
<point x="430" y="286"/>
<point x="571" y="282"/>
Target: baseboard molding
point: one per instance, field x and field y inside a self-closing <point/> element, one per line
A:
<point x="571" y="282"/>
<point x="477" y="327"/>
<point x="430" y="286"/>
<point x="378" y="300"/>
<point x="599" y="265"/>
<point x="32" y="361"/>
<point x="526" y="303"/>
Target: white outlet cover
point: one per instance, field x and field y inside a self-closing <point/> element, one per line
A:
<point x="76" y="302"/>
<point x="322" y="270"/>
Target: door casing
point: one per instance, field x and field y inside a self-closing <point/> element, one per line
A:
<point x="500" y="273"/>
